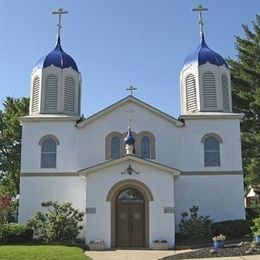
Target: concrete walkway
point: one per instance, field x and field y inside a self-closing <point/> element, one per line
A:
<point x="129" y="254"/>
<point x="150" y="255"/>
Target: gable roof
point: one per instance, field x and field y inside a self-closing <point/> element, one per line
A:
<point x="130" y="158"/>
<point x="135" y="101"/>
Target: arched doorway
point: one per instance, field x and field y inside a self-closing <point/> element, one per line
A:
<point x="130" y="218"/>
<point x="112" y="196"/>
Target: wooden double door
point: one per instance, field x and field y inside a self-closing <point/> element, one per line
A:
<point x="130" y="220"/>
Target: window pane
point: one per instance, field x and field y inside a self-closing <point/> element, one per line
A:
<point x="130" y="195"/>
<point x="48" y="160"/>
<point x="212" y="153"/>
<point x="212" y="159"/>
<point x="145" y="147"/>
<point x="211" y="143"/>
<point x="49" y="145"/>
<point x="48" y="154"/>
<point x="115" y="147"/>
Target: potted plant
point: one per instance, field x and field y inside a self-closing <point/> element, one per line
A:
<point x="219" y="241"/>
<point x="97" y="245"/>
<point x="160" y="245"/>
<point x="256" y="229"/>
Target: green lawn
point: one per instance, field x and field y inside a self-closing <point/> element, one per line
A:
<point x="41" y="252"/>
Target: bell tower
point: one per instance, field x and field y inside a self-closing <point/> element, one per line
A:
<point x="205" y="79"/>
<point x="56" y="81"/>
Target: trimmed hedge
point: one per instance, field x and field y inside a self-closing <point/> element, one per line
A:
<point x="232" y="228"/>
<point x="15" y="233"/>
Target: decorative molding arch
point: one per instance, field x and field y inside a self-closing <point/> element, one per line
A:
<point x="218" y="137"/>
<point x="112" y="195"/>
<point x="129" y="183"/>
<point x="108" y="144"/>
<point x="51" y="137"/>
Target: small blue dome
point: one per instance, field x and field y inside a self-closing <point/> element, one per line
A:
<point x="129" y="139"/>
<point x="204" y="54"/>
<point x="57" y="58"/>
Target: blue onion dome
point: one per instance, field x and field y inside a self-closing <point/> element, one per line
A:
<point x="204" y="54"/>
<point x="57" y="58"/>
<point x="129" y="139"/>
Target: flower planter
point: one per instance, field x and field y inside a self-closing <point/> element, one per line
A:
<point x="219" y="244"/>
<point x="257" y="239"/>
<point x="160" y="245"/>
<point x="97" y="245"/>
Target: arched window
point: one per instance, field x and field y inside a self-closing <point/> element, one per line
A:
<point x="48" y="151"/>
<point x="145" y="147"/>
<point x="35" y="94"/>
<point x="191" y="97"/>
<point x="209" y="90"/>
<point x="211" y="150"/>
<point x="115" y="147"/>
<point x="51" y="93"/>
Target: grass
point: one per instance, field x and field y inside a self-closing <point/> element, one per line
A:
<point x="41" y="252"/>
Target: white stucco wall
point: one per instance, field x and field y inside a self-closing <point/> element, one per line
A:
<point x="35" y="190"/>
<point x="91" y="138"/>
<point x="100" y="182"/>
<point x="179" y="147"/>
<point x="220" y="197"/>
<point x="67" y="151"/>
<point x="192" y="149"/>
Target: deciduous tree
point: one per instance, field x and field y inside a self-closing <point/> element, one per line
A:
<point x="10" y="143"/>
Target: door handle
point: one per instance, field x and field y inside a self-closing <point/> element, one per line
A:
<point x="130" y="227"/>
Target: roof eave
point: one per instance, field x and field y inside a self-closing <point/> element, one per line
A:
<point x="129" y="158"/>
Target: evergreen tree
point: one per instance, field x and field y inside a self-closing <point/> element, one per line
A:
<point x="245" y="74"/>
<point x="10" y="143"/>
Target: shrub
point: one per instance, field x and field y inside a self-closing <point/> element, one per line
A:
<point x="59" y="223"/>
<point x="15" y="233"/>
<point x="232" y="228"/>
<point x="256" y="226"/>
<point x="195" y="227"/>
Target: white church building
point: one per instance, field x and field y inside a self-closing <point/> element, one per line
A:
<point x="133" y="179"/>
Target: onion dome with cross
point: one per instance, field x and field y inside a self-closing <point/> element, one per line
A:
<point x="203" y="54"/>
<point x="56" y="82"/>
<point x="205" y="79"/>
<point x="57" y="57"/>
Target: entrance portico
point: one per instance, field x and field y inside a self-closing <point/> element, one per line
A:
<point x="130" y="209"/>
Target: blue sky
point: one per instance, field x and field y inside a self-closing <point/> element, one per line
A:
<point x="116" y="43"/>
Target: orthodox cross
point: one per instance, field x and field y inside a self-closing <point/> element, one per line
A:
<point x="129" y="111"/>
<point x="59" y="12"/>
<point x="200" y="9"/>
<point x="131" y="88"/>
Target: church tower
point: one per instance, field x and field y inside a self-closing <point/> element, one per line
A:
<point x="205" y="79"/>
<point x="55" y="82"/>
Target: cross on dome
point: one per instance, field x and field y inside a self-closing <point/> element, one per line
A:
<point x="131" y="88"/>
<point x="59" y="12"/>
<point x="200" y="9"/>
